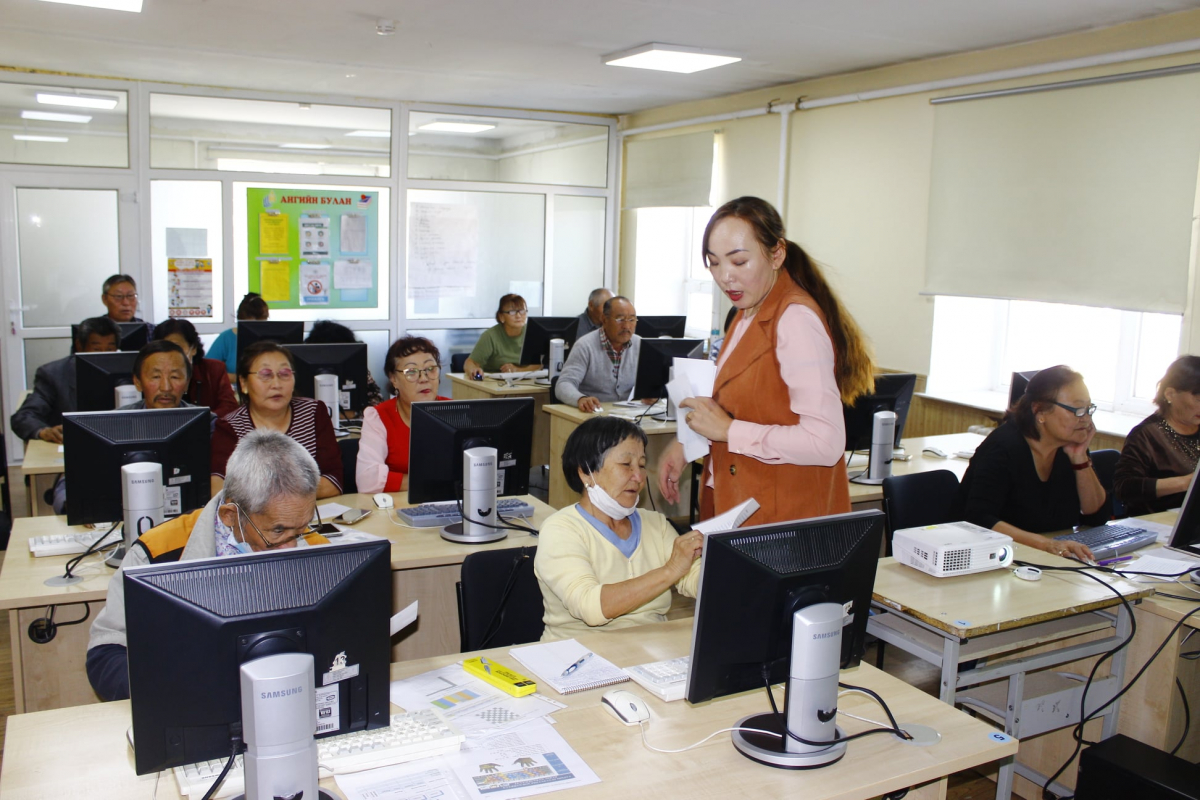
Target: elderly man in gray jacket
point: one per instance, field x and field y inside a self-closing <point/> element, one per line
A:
<point x="602" y="366"/>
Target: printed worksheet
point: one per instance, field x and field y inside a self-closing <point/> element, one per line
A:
<point x="426" y="779"/>
<point x="532" y="759"/>
<point x="353" y="238"/>
<point x="473" y="705"/>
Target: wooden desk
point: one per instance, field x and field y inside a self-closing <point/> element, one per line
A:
<point x="76" y="752"/>
<point x="864" y="496"/>
<point x="565" y="419"/>
<point x="425" y="568"/>
<point x="465" y="389"/>
<point x="42" y="465"/>
<point x="989" y="618"/>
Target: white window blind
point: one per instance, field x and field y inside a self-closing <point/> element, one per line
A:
<point x="669" y="171"/>
<point x="1080" y="196"/>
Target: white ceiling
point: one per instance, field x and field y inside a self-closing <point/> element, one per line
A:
<point x="540" y="54"/>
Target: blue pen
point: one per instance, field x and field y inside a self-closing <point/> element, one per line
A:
<point x="486" y="666"/>
<point x="1108" y="561"/>
<point x="576" y="665"/>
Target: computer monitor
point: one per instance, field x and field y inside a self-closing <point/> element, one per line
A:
<point x="134" y="335"/>
<point x="97" y="375"/>
<point x="1185" y="536"/>
<point x="655" y="358"/>
<point x="347" y="361"/>
<point x="442" y="432"/>
<point x="1020" y="382"/>
<point x="657" y="327"/>
<point x="753" y="581"/>
<point x="893" y="392"/>
<point x="192" y="624"/>
<point x="96" y="445"/>
<point x="250" y="331"/>
<point x="538" y="333"/>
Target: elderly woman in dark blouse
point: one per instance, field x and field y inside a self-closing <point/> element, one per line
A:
<point x="1160" y="454"/>
<point x="1033" y="474"/>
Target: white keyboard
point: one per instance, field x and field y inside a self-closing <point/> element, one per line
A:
<point x="66" y="544"/>
<point x="420" y="734"/>
<point x="666" y="679"/>
<point x="517" y="376"/>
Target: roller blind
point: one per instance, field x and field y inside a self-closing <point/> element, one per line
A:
<point x="669" y="171"/>
<point x="1079" y="196"/>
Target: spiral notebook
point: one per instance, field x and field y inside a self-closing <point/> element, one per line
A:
<point x="548" y="660"/>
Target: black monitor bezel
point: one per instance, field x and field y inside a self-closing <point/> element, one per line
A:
<point x="656" y="327"/>
<point x="655" y="357"/>
<point x="98" y="374"/>
<point x="893" y="392"/>
<point x="535" y="348"/>
<point x="306" y="364"/>
<point x="284" y="332"/>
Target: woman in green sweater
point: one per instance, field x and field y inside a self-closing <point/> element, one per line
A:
<point x="499" y="349"/>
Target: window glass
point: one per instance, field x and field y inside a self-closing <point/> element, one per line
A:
<point x="235" y="135"/>
<point x="43" y="351"/>
<point x="475" y="148"/>
<point x="59" y="125"/>
<point x="467" y="249"/>
<point x="186" y="248"/>
<point x="578" y="253"/>
<point x="671" y="278"/>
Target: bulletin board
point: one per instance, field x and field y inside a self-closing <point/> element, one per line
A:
<point x="313" y="249"/>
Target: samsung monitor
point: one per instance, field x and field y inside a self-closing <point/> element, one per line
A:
<point x="96" y="445"/>
<point x="784" y="576"/>
<point x="893" y="392"/>
<point x="97" y="376"/>
<point x="191" y="625"/>
<point x="250" y="331"/>
<point x="1020" y="382"/>
<point x="657" y="327"/>
<point x="655" y="358"/>
<point x="538" y="333"/>
<point x="347" y="361"/>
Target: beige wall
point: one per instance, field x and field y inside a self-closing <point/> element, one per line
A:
<point x="858" y="176"/>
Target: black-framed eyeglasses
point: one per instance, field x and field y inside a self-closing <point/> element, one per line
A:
<point x="412" y="373"/>
<point x="1081" y="411"/>
<point x="515" y="312"/>
<point x="281" y="535"/>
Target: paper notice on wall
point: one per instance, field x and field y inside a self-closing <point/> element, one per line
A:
<point x="443" y="250"/>
<point x="353" y="273"/>
<point x="353" y="237"/>
<point x="274" y="282"/>
<point x="189" y="287"/>
<point x="272" y="234"/>
<point x="314" y="234"/>
<point x="314" y="283"/>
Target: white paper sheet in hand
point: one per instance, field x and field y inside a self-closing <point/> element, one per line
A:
<point x="694" y="377"/>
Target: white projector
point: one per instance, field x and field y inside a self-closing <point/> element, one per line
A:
<point x="952" y="548"/>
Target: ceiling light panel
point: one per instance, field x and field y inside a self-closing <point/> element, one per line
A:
<point x="29" y="137"/>
<point x="54" y="116"/>
<point x="670" y="58"/>
<point x="371" y="134"/>
<point x="77" y="100"/>
<point x="456" y="127"/>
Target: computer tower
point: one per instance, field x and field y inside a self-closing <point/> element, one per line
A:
<point x="1120" y="768"/>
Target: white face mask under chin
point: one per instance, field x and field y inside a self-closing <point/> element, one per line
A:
<point x="605" y="503"/>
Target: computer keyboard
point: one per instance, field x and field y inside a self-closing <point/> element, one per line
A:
<point x="66" y="544"/>
<point x="419" y="734"/>
<point x="517" y="376"/>
<point x="439" y="515"/>
<point x="666" y="679"/>
<point x="1106" y="541"/>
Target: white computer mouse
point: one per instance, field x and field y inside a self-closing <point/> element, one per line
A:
<point x="625" y="706"/>
<point x="937" y="452"/>
<point x="1028" y="573"/>
<point x="383" y="500"/>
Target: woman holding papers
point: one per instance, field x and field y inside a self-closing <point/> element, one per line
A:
<point x="603" y="563"/>
<point x="1160" y="453"/>
<point x="792" y="358"/>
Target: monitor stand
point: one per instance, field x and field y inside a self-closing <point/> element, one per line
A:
<point x="479" y="500"/>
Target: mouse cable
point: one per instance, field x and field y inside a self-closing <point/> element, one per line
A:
<point x="93" y="548"/>
<point x="1187" y="717"/>
<point x="894" y="729"/>
<point x="649" y="746"/>
<point x="509" y="527"/>
<point x="236" y="750"/>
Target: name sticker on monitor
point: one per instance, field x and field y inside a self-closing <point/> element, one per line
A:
<point x="339" y="671"/>
<point x="178" y="479"/>
<point x="172" y="501"/>
<point x="499" y="481"/>
<point x="329" y="717"/>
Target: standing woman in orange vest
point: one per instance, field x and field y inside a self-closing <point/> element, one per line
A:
<point x="793" y="356"/>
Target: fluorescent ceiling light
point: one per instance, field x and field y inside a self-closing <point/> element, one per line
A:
<point x="112" y="5"/>
<point x="28" y="137"/>
<point x="371" y="134"/>
<point x="455" y="127"/>
<point x="54" y="116"/>
<point x="670" y="58"/>
<point x="77" y="100"/>
<point x="304" y="146"/>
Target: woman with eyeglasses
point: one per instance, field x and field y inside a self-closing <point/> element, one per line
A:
<point x="268" y="382"/>
<point x="1033" y="475"/>
<point x="412" y="368"/>
<point x="499" y="348"/>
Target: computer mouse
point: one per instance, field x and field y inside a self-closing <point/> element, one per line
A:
<point x="625" y="706"/>
<point x="383" y="500"/>
<point x="937" y="452"/>
<point x="1028" y="573"/>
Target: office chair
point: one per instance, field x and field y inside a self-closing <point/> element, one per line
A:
<point x="458" y="361"/>
<point x="349" y="448"/>
<point x="1105" y="464"/>
<point x="499" y="600"/>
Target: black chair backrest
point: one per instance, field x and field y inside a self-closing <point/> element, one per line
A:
<point x="499" y="600"/>
<point x="349" y="448"/>
<point x="1105" y="464"/>
<point x="922" y="498"/>
<point x="458" y="361"/>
